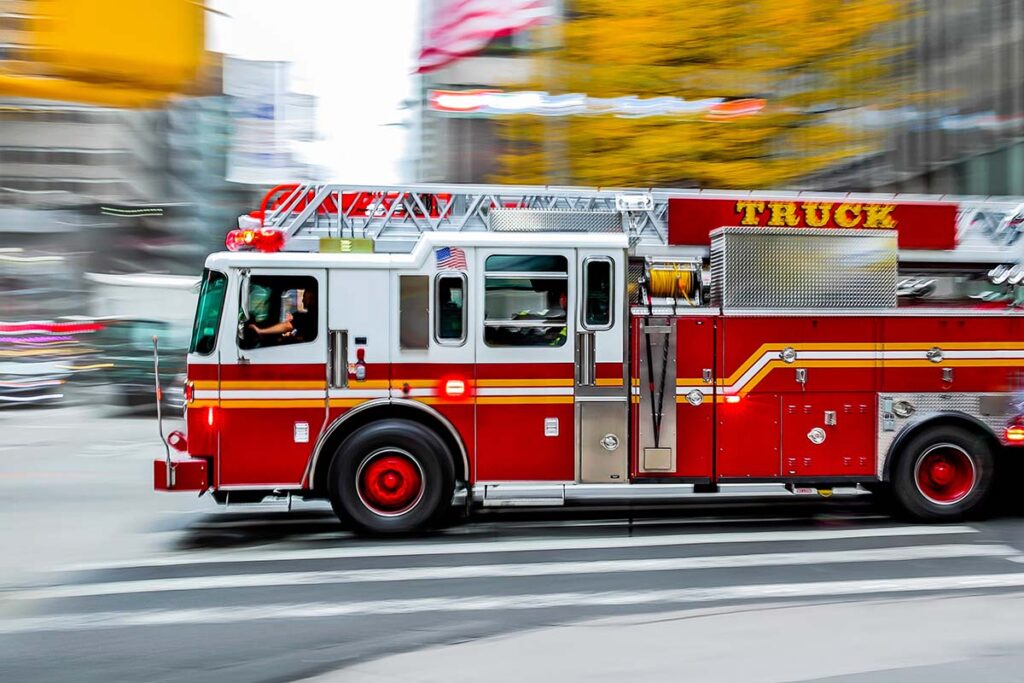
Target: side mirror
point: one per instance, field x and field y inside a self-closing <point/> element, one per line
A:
<point x="244" y="336"/>
<point x="243" y="293"/>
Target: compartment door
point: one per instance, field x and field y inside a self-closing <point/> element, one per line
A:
<point x="828" y="434"/>
<point x="675" y="393"/>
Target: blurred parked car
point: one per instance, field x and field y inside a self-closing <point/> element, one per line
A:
<point x="125" y="361"/>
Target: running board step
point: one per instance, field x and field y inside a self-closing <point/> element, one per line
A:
<point x="520" y="495"/>
<point x="558" y="493"/>
<point x="522" y="502"/>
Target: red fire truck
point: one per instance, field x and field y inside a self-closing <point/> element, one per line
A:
<point x="399" y="351"/>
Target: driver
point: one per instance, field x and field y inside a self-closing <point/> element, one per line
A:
<point x="297" y="327"/>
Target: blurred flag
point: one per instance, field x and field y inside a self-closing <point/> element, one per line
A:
<point x="451" y="258"/>
<point x="462" y="27"/>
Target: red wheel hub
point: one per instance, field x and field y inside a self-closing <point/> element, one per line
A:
<point x="945" y="474"/>
<point x="390" y="483"/>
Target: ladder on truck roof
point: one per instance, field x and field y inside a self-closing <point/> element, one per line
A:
<point x="395" y="216"/>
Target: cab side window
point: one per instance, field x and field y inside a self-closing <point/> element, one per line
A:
<point x="278" y="310"/>
<point x="450" y="309"/>
<point x="597" y="293"/>
<point x="526" y="298"/>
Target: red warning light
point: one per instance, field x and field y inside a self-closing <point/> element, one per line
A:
<point x="454" y="388"/>
<point x="1015" y="430"/>
<point x="261" y="239"/>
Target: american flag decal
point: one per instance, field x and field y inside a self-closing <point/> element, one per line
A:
<point x="451" y="258"/>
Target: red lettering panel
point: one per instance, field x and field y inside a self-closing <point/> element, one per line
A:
<point x="920" y="225"/>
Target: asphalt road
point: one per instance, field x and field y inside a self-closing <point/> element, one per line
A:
<point x="105" y="581"/>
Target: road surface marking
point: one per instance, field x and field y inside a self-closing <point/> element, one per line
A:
<point x="527" y="545"/>
<point x="320" y="610"/>
<point x="498" y="571"/>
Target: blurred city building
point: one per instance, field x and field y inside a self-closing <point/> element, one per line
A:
<point x="963" y="132"/>
<point x="464" y="147"/>
<point x="269" y="123"/>
<point x="119" y="146"/>
<point x="933" y="100"/>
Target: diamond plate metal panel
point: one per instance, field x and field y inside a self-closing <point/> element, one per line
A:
<point x="803" y="268"/>
<point x="549" y="220"/>
<point x="634" y="274"/>
<point x="993" y="409"/>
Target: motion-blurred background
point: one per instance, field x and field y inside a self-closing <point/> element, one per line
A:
<point x="133" y="134"/>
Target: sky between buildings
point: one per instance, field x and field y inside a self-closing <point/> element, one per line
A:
<point x="356" y="57"/>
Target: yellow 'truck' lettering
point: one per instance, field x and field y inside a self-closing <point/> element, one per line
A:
<point x="783" y="213"/>
<point x="879" y="216"/>
<point x="816" y="215"/>
<point x="848" y="215"/>
<point x="750" y="211"/>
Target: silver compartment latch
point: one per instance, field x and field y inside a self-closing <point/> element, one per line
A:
<point x="707" y="375"/>
<point x="801" y="375"/>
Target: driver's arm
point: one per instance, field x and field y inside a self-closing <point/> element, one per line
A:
<point x="280" y="328"/>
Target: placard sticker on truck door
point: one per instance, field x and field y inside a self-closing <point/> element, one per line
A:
<point x="301" y="432"/>
<point x="550" y="426"/>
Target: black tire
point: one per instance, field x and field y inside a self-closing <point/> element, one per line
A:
<point x="391" y="477"/>
<point x="938" y="454"/>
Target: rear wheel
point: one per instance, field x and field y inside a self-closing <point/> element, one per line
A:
<point x="389" y="477"/>
<point x="944" y="473"/>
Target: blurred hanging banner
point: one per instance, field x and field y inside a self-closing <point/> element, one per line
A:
<point x="157" y="43"/>
<point x="106" y="51"/>
<point x="487" y="103"/>
<point x="267" y="122"/>
<point x="459" y="28"/>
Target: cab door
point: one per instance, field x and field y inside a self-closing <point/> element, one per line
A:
<point x="273" y="380"/>
<point x="525" y="364"/>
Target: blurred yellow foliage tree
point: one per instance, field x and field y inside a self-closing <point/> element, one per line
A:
<point x="805" y="57"/>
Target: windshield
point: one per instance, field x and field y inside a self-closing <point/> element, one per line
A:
<point x="211" y="304"/>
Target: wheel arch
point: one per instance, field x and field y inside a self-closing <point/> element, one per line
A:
<point x="947" y="418"/>
<point x="381" y="409"/>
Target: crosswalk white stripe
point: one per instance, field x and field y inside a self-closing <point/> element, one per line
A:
<point x="498" y="571"/>
<point x="319" y="610"/>
<point x="529" y="545"/>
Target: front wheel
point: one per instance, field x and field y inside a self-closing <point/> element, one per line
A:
<point x="391" y="477"/>
<point x="943" y="474"/>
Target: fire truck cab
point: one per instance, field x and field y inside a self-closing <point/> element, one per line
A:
<point x="495" y="347"/>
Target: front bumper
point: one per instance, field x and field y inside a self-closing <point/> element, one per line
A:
<point x="184" y="474"/>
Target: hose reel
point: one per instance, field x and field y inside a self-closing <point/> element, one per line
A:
<point x="673" y="282"/>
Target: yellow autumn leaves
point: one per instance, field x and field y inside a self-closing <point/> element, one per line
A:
<point x="813" y="61"/>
